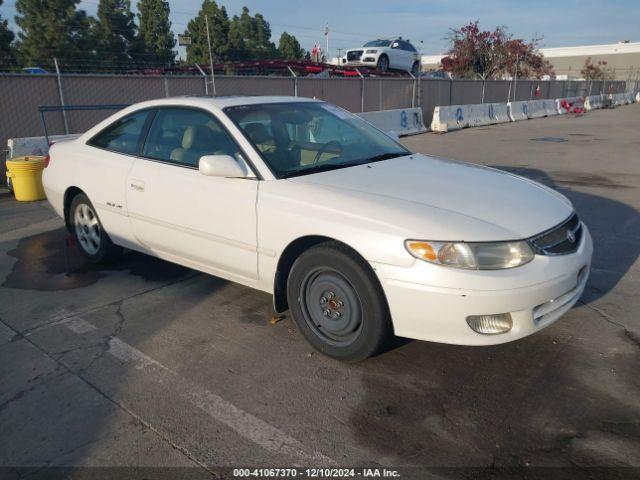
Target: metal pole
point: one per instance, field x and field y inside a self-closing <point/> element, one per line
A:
<point x="413" y="93"/>
<point x="361" y="91"/>
<point x="64" y="113"/>
<point x="213" y="79"/>
<point x="206" y="84"/>
<point x="295" y="81"/>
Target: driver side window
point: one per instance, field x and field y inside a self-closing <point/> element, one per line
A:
<point x="182" y="136"/>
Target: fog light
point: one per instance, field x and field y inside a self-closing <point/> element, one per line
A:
<point x="490" y="324"/>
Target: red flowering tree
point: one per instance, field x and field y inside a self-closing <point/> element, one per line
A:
<point x="475" y="53"/>
<point x="596" y="71"/>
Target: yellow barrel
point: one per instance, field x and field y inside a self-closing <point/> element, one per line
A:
<point x="25" y="174"/>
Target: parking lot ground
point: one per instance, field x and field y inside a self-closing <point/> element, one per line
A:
<point x="147" y="364"/>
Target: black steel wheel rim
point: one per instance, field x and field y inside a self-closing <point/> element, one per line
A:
<point x="331" y="306"/>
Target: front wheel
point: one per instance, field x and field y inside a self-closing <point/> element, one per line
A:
<point x="337" y="303"/>
<point x="383" y="63"/>
<point x="93" y="241"/>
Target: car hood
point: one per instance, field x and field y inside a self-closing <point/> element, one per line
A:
<point x="444" y="199"/>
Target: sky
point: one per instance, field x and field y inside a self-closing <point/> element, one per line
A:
<point x="425" y="22"/>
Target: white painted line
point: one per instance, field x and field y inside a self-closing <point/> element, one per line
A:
<point x="243" y="423"/>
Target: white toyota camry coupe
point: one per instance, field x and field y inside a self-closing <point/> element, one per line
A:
<point x="359" y="238"/>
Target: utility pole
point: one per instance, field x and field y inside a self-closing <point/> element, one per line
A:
<point x="326" y="34"/>
<point x="213" y="79"/>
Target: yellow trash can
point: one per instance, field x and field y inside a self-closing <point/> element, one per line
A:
<point x="25" y="174"/>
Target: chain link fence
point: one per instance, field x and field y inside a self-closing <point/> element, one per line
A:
<point x="23" y="94"/>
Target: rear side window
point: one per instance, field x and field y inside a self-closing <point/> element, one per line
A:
<point x="124" y="135"/>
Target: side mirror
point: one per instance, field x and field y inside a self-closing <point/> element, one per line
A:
<point x="395" y="45"/>
<point x="221" y="166"/>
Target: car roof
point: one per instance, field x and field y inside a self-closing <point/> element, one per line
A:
<point x="222" y="101"/>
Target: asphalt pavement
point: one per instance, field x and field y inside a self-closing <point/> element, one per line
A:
<point x="148" y="364"/>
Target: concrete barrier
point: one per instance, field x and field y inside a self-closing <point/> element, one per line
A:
<point x="488" y="114"/>
<point x="541" y="108"/>
<point x="19" y="147"/>
<point x="518" y="111"/>
<point x="594" y="102"/>
<point x="619" y="99"/>
<point x="407" y="121"/>
<point x="455" y="117"/>
<point x="450" y="117"/>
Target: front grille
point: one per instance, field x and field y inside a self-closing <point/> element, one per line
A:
<point x="354" y="55"/>
<point x="560" y="240"/>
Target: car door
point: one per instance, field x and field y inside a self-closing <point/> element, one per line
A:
<point x="176" y="212"/>
<point x="110" y="155"/>
<point x="406" y="54"/>
<point x="395" y="55"/>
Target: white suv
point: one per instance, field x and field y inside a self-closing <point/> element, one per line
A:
<point x="385" y="54"/>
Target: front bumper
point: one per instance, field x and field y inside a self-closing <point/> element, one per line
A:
<point x="431" y="302"/>
<point x="366" y="61"/>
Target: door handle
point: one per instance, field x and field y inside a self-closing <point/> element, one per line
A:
<point x="136" y="185"/>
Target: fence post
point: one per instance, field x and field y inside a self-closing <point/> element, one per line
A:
<point x="413" y="93"/>
<point x="204" y="75"/>
<point x="361" y="91"/>
<point x="482" y="94"/>
<point x="64" y="113"/>
<point x="166" y="86"/>
<point x="295" y="81"/>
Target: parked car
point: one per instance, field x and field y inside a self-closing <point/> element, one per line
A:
<point x="385" y="54"/>
<point x="358" y="237"/>
<point x="35" y="70"/>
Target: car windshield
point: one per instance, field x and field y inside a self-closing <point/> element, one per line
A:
<point x="378" y="43"/>
<point x="300" y="138"/>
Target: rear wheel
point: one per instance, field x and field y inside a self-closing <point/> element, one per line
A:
<point x="415" y="68"/>
<point x="383" y="63"/>
<point x="337" y="303"/>
<point x="92" y="240"/>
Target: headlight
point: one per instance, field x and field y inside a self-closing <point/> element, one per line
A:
<point x="371" y="51"/>
<point x="472" y="256"/>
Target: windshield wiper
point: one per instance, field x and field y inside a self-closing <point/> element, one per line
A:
<point x="378" y="158"/>
<point x="325" y="167"/>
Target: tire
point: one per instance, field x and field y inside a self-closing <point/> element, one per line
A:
<point x="383" y="63"/>
<point x="415" y="68"/>
<point x="91" y="238"/>
<point x="338" y="304"/>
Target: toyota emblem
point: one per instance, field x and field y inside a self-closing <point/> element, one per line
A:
<point x="571" y="236"/>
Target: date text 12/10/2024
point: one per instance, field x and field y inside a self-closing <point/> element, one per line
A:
<point x="315" y="473"/>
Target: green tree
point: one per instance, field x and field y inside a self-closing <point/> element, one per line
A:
<point x="6" y="37"/>
<point x="115" y="34"/>
<point x="256" y="34"/>
<point x="237" y="48"/>
<point x="156" y="38"/>
<point x="198" y="51"/>
<point x="56" y="29"/>
<point x="289" y="47"/>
